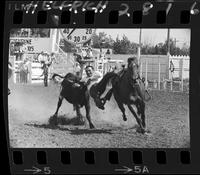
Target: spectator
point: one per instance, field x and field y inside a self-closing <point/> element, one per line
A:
<point x="108" y="51"/>
<point x="41" y="57"/>
<point x="10" y="69"/>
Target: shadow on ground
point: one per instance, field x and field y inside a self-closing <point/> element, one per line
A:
<point x="90" y="131"/>
<point x="72" y="131"/>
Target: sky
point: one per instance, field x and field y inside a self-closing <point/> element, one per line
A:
<point x="150" y="36"/>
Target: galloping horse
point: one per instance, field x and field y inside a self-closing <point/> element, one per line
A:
<point x="126" y="92"/>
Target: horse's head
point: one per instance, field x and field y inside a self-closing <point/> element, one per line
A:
<point x="133" y="67"/>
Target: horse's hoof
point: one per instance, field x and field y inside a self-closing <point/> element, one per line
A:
<point x="140" y="130"/>
<point x="92" y="126"/>
<point x="124" y="118"/>
<point x="53" y="120"/>
<point x="101" y="107"/>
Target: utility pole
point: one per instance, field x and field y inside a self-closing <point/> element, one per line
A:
<point x="168" y="55"/>
<point x="139" y="47"/>
<point x="168" y="42"/>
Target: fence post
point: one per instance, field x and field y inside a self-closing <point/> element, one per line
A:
<point x="141" y="69"/>
<point x="182" y="71"/>
<point x="159" y="75"/>
<point x="14" y="72"/>
<point x="170" y="73"/>
<point x="146" y="69"/>
<point x="171" y="82"/>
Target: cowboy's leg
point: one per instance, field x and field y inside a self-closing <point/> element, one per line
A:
<point x="107" y="97"/>
<point x="87" y="108"/>
<point x="95" y="95"/>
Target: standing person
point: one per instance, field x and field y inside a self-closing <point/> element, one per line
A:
<point x="21" y="72"/>
<point x="52" y="61"/>
<point x="89" y="53"/>
<point x="41" y="57"/>
<point x="84" y="54"/>
<point x="45" y="73"/>
<point x="25" y="69"/>
<point x="45" y="66"/>
<point x="10" y="70"/>
<point x="29" y="69"/>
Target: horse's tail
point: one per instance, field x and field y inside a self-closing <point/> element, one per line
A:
<point x="56" y="75"/>
<point x="104" y="81"/>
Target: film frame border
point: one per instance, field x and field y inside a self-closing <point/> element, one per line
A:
<point x="172" y="155"/>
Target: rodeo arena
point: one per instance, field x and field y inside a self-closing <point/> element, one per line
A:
<point x="49" y="106"/>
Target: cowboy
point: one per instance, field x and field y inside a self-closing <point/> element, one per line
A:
<point x="91" y="79"/>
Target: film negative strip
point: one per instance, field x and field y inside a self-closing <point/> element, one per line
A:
<point x="102" y="87"/>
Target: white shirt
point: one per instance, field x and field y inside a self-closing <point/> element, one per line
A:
<point x="97" y="76"/>
<point x="84" y="53"/>
<point x="40" y="58"/>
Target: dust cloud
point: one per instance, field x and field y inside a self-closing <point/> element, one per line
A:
<point x="38" y="103"/>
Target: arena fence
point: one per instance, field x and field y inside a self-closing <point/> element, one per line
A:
<point x="165" y="73"/>
<point x="161" y="72"/>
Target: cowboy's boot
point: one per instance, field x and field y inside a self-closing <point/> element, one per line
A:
<point x="98" y="102"/>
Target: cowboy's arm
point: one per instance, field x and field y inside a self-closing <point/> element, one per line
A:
<point x="96" y="76"/>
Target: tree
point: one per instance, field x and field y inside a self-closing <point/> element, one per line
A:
<point x="101" y="40"/>
<point x="117" y="46"/>
<point x="161" y="48"/>
<point x="125" y="45"/>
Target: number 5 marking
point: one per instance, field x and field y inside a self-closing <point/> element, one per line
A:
<point x="47" y="170"/>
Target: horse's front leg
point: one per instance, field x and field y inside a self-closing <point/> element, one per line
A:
<point x="79" y="115"/>
<point x="136" y="117"/>
<point x="121" y="106"/>
<point x="53" y="119"/>
<point x="87" y="108"/>
<point x="142" y="108"/>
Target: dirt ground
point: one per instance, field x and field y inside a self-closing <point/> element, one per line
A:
<point x="30" y="107"/>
